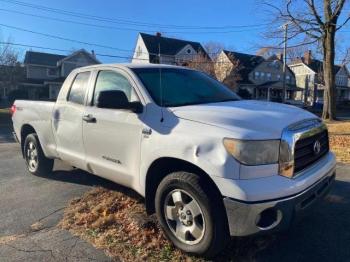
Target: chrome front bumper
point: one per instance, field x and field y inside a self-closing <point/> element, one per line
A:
<point x="248" y="218"/>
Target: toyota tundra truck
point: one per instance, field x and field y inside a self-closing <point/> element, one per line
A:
<point x="209" y="164"/>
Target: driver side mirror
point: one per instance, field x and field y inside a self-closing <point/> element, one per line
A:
<point x="116" y="99"/>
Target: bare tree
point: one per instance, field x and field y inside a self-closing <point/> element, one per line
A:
<point x="213" y="49"/>
<point x="202" y="62"/>
<point x="313" y="21"/>
<point x="10" y="69"/>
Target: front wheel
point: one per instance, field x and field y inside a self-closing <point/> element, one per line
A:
<point x="190" y="215"/>
<point x="37" y="163"/>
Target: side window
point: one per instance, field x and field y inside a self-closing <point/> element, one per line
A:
<point x="110" y="80"/>
<point x="78" y="88"/>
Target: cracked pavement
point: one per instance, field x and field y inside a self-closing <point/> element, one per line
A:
<point x="31" y="207"/>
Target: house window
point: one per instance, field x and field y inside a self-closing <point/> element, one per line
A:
<point x="262" y="75"/>
<point x="268" y="75"/>
<point x="278" y="77"/>
<point x="188" y="51"/>
<point x="256" y="75"/>
<point x="52" y="72"/>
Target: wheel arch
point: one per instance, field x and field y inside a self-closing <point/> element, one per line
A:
<point x="162" y="167"/>
<point x="26" y="129"/>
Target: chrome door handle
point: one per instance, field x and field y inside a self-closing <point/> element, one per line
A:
<point x="89" y="119"/>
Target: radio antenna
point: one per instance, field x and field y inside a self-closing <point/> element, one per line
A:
<point x="160" y="85"/>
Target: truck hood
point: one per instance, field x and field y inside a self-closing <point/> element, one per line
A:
<point x="246" y="119"/>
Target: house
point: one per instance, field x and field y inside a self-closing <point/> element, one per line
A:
<point x="158" y="49"/>
<point x="309" y="77"/>
<point x="46" y="72"/>
<point x="262" y="78"/>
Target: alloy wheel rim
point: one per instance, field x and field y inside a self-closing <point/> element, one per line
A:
<point x="184" y="217"/>
<point x="32" y="156"/>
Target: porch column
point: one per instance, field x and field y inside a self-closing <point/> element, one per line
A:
<point x="268" y="94"/>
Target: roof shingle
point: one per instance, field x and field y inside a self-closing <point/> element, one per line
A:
<point x="167" y="45"/>
<point x="38" y="58"/>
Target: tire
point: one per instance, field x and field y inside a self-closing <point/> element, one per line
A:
<point x="205" y="234"/>
<point x="37" y="163"/>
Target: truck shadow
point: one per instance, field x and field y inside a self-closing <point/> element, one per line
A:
<point x="323" y="234"/>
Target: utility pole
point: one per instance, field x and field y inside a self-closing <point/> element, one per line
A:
<point x="284" y="92"/>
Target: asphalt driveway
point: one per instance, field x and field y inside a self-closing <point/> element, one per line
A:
<point x="31" y="207"/>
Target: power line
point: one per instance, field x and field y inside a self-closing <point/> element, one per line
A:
<point x="97" y="54"/>
<point x="82" y="42"/>
<point x="64" y="38"/>
<point x="125" y="21"/>
<point x="121" y="28"/>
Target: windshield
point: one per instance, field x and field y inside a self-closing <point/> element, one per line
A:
<point x="171" y="87"/>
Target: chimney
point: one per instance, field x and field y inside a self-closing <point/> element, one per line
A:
<point x="158" y="34"/>
<point x="93" y="53"/>
<point x="308" y="57"/>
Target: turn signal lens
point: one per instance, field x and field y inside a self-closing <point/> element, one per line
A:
<point x="13" y="110"/>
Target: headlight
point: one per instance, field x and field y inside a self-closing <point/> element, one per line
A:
<point x="253" y="152"/>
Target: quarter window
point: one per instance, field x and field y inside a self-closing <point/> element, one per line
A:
<point x="78" y="89"/>
<point x="110" y="80"/>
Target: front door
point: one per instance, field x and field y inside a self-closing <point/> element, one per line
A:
<point x="112" y="138"/>
<point x="67" y="122"/>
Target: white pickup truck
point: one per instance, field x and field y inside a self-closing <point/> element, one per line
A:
<point x="208" y="163"/>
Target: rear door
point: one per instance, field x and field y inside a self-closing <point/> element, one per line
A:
<point x="112" y="140"/>
<point x="67" y="122"/>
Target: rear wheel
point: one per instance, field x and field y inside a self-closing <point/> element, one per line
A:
<point x="37" y="162"/>
<point x="189" y="219"/>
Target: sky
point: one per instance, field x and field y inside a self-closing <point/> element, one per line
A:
<point x="118" y="35"/>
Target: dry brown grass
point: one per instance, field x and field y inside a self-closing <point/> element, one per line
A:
<point x="340" y="145"/>
<point x="339" y="139"/>
<point x="338" y="127"/>
<point x="118" y="224"/>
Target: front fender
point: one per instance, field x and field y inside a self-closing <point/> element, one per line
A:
<point x="205" y="152"/>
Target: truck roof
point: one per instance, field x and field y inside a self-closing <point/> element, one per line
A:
<point x="131" y="65"/>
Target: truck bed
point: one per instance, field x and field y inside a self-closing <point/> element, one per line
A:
<point x="37" y="115"/>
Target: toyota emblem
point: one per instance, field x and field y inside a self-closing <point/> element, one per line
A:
<point x="317" y="147"/>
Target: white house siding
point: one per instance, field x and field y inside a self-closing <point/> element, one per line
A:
<point x="186" y="54"/>
<point x="304" y="78"/>
<point x="223" y="66"/>
<point x="141" y="55"/>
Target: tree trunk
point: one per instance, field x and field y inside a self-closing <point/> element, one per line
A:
<point x="329" y="106"/>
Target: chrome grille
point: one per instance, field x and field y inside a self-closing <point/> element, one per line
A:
<point x="305" y="153"/>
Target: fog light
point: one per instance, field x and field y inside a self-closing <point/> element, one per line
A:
<point x="269" y="218"/>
